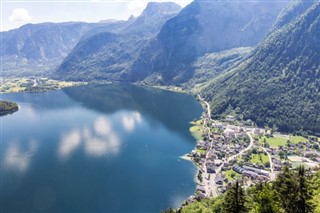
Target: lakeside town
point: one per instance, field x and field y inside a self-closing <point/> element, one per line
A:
<point x="227" y="151"/>
<point x="33" y="84"/>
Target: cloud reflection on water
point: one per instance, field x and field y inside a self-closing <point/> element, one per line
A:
<point x="100" y="140"/>
<point x="69" y="142"/>
<point x="104" y="142"/>
<point x="129" y="121"/>
<point x="16" y="159"/>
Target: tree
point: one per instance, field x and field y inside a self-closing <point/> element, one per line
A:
<point x="315" y="181"/>
<point x="235" y="200"/>
<point x="281" y="155"/>
<point x="267" y="164"/>
<point x="264" y="200"/>
<point x="286" y="188"/>
<point x="265" y="144"/>
<point x="200" y="176"/>
<point x="304" y="196"/>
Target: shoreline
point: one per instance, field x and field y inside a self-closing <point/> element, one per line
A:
<point x="35" y="85"/>
<point x="167" y="88"/>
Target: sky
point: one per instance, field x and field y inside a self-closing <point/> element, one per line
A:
<point x="15" y="13"/>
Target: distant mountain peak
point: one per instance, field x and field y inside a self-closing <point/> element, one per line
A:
<point x="154" y="8"/>
<point x="131" y="18"/>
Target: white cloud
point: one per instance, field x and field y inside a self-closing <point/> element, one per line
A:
<point x="20" y="15"/>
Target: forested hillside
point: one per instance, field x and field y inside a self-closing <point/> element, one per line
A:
<point x="279" y="85"/>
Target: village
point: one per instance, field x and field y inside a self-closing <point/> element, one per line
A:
<point x="226" y="152"/>
<point x="33" y="84"/>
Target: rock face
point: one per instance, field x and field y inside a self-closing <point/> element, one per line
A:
<point x="279" y="84"/>
<point x="203" y="27"/>
<point x="109" y="56"/>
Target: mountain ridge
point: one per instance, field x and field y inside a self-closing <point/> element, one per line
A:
<point x="112" y="61"/>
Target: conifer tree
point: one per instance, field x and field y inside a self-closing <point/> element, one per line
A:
<point x="286" y="188"/>
<point x="265" y="200"/>
<point x="304" y="196"/>
<point x="235" y="200"/>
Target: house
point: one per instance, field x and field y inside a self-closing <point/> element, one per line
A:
<point x="202" y="145"/>
<point x="210" y="167"/>
<point x="259" y="132"/>
<point x="201" y="189"/>
<point x="250" y="174"/>
<point x="258" y="171"/>
<point x="237" y="169"/>
<point x="309" y="154"/>
<point x="276" y="167"/>
<point x="219" y="179"/>
<point x="217" y="162"/>
<point x="230" y="118"/>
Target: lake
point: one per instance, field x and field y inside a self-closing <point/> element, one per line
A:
<point x="97" y="148"/>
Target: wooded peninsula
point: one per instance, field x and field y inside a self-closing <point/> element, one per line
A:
<point x="7" y="107"/>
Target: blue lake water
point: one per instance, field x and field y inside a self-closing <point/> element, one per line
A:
<point x="97" y="148"/>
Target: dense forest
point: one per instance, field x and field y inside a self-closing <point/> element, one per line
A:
<point x="293" y="191"/>
<point x="278" y="85"/>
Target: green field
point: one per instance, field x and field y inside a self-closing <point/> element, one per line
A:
<point x="228" y="174"/>
<point x="201" y="151"/>
<point x="297" y="139"/>
<point x="255" y="158"/>
<point x="275" y="141"/>
<point x="197" y="130"/>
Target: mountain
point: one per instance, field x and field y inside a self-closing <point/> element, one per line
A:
<point x="109" y="56"/>
<point x="203" y="27"/>
<point x="279" y="84"/>
<point x="37" y="48"/>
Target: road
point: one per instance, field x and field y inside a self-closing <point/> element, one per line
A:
<point x="272" y="175"/>
<point x="205" y="175"/>
<point x="270" y="159"/>
<point x="242" y="151"/>
<point x="207" y="104"/>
